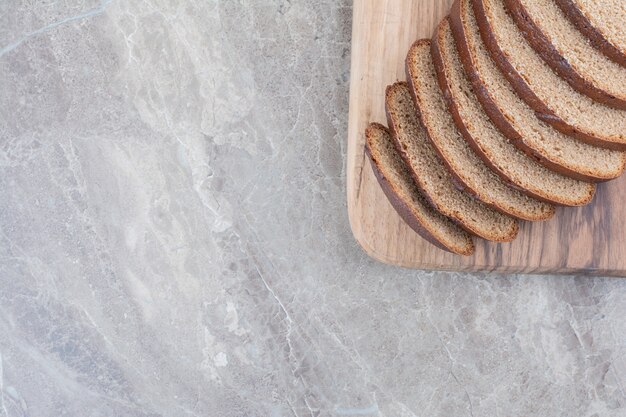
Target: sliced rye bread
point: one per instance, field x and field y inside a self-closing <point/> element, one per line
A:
<point x="568" y="52"/>
<point x="397" y="183"/>
<point x="432" y="176"/>
<point x="467" y="167"/>
<point x="513" y="165"/>
<point x="602" y="22"/>
<point x="516" y="120"/>
<point x="552" y="98"/>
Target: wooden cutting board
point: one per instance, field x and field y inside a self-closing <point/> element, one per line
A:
<point x="587" y="240"/>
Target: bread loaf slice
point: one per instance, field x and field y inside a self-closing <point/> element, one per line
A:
<point x="602" y="22"/>
<point x="568" y="52"/>
<point x="502" y="156"/>
<point x="471" y="172"/>
<point x="398" y="185"/>
<point x="552" y="98"/>
<point x="516" y="120"/>
<point x="432" y="176"/>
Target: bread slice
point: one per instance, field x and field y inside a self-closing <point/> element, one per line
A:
<point x="398" y="185"/>
<point x="432" y="176"/>
<point x="516" y="120"/>
<point x="472" y="173"/>
<point x="513" y="165"/>
<point x="552" y="98"/>
<point x="395" y="179"/>
<point x="602" y="22"/>
<point x="568" y="52"/>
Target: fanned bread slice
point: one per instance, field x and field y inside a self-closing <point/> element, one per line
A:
<point x="552" y="98"/>
<point x="397" y="183"/>
<point x="476" y="177"/>
<point x="502" y="156"/>
<point x="516" y="120"/>
<point x="568" y="52"/>
<point x="602" y="22"/>
<point x="432" y="176"/>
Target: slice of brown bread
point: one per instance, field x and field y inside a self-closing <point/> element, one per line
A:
<point x="398" y="185"/>
<point x="602" y="22"/>
<point x="552" y="98"/>
<point x="516" y="120"/>
<point x="502" y="156"/>
<point x="568" y="52"/>
<point x="432" y="176"/>
<point x="470" y="171"/>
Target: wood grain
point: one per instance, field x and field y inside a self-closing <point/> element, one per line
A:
<point x="587" y="240"/>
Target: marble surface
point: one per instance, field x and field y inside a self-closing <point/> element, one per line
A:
<point x="174" y="238"/>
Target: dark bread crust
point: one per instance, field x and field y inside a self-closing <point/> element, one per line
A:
<point x="491" y="107"/>
<point x="540" y="43"/>
<point x="461" y="126"/>
<point x="400" y="205"/>
<point x="522" y="88"/>
<point x="596" y="38"/>
<point x="416" y="178"/>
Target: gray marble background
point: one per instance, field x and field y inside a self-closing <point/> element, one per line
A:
<point x="174" y="238"/>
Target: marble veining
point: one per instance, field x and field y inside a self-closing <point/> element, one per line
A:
<point x="174" y="238"/>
